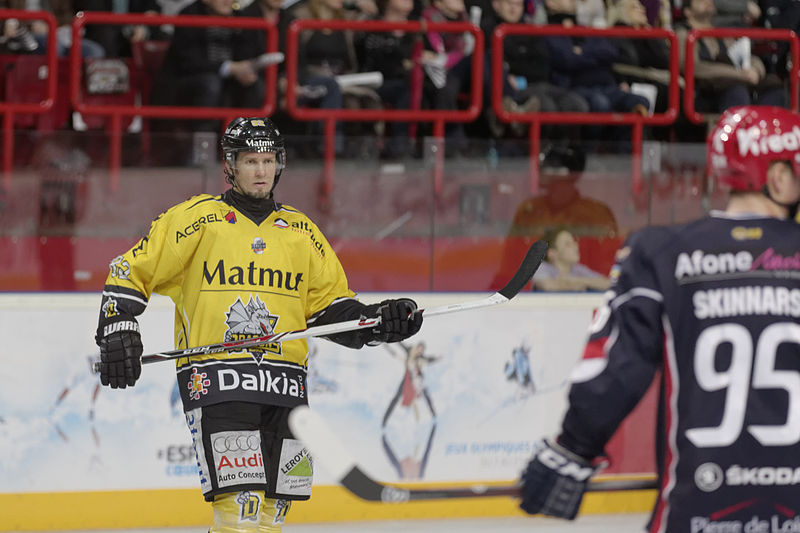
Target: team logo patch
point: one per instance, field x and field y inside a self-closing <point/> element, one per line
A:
<point x="281" y="510"/>
<point x="622" y="254"/>
<point x="258" y="245"/>
<point x="280" y="223"/>
<point x="708" y="477"/>
<point x="119" y="267"/>
<point x="231" y="217"/>
<point x="741" y="233"/>
<point x="197" y="384"/>
<point x="249" y="321"/>
<point x="296" y="469"/>
<point x="238" y="460"/>
<point x="110" y="308"/>
<point x="249" y="506"/>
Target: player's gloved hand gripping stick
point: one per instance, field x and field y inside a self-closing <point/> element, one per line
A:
<point x="533" y="258"/>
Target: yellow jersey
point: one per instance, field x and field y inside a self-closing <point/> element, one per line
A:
<point x="232" y="279"/>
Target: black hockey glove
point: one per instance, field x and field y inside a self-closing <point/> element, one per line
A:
<point x="120" y="353"/>
<point x="554" y="481"/>
<point x="399" y="320"/>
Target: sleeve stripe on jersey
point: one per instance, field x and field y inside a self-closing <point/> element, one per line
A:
<point x="672" y="385"/>
<point x="201" y="201"/>
<point x="119" y="294"/>
<point x="633" y="293"/>
<point x="595" y="358"/>
<point x="587" y="369"/>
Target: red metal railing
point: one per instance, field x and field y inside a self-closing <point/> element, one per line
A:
<point x="437" y="117"/>
<point x="9" y="109"/>
<point x="116" y="112"/>
<point x="329" y="116"/>
<point x="538" y="118"/>
<point x="754" y="33"/>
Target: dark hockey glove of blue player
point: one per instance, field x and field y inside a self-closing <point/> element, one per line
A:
<point x="120" y="353"/>
<point x="554" y="481"/>
<point x="399" y="320"/>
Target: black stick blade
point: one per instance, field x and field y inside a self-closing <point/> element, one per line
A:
<point x="526" y="270"/>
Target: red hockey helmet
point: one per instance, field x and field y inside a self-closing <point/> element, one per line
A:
<point x="747" y="139"/>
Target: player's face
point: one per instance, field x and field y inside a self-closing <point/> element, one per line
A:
<point x="255" y="173"/>
<point x="784" y="185"/>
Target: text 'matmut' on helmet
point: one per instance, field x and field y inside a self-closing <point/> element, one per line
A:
<point x="252" y="134"/>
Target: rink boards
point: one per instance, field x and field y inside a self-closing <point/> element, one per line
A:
<point x="492" y="382"/>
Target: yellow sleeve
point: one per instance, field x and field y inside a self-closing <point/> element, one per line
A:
<point x="328" y="280"/>
<point x="152" y="265"/>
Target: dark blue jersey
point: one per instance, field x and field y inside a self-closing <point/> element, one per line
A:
<point x="715" y="305"/>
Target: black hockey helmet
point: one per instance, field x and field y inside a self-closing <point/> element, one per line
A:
<point x="252" y="134"/>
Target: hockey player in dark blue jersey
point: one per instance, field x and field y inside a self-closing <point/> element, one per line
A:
<point x="715" y="306"/>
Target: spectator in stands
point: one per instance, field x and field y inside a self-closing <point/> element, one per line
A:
<point x="255" y="41"/>
<point x="116" y="39"/>
<point x="273" y="12"/>
<point x="447" y="63"/>
<point x="590" y="13"/>
<point x="658" y="12"/>
<point x="720" y="82"/>
<point x="585" y="65"/>
<point x="208" y="66"/>
<point x="269" y="10"/>
<point x="647" y="60"/>
<point x="561" y="204"/>
<point x="64" y="11"/>
<point x="562" y="269"/>
<point x="390" y="53"/>
<point x="172" y="7"/>
<point x="526" y="80"/>
<point x="16" y="36"/>
<point x="736" y="13"/>
<point x="322" y="55"/>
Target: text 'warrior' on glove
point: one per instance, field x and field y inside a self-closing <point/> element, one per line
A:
<point x="120" y="352"/>
<point x="399" y="320"/>
<point x="554" y="481"/>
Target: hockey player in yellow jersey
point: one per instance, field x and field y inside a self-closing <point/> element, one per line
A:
<point x="240" y="265"/>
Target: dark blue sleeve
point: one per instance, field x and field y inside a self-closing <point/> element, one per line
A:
<point x="622" y="355"/>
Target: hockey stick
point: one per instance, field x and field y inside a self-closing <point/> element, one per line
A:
<point x="326" y="447"/>
<point x="533" y="258"/>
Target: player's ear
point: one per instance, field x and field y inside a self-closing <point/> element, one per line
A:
<point x="781" y="182"/>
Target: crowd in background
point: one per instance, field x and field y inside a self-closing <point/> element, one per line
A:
<point x="217" y="66"/>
